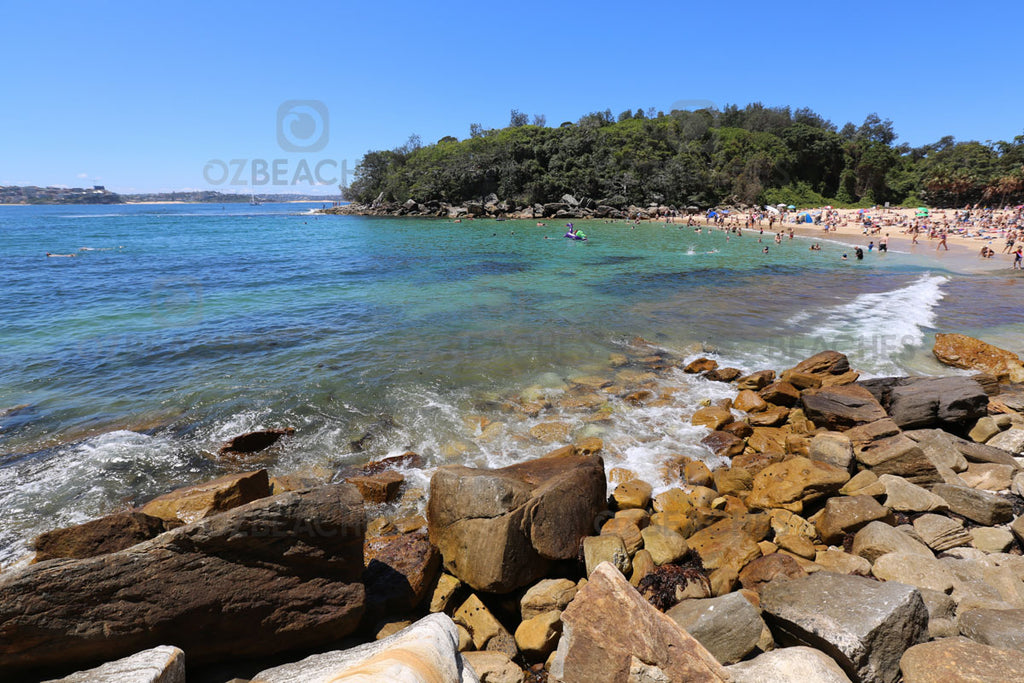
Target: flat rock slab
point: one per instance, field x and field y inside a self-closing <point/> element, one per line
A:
<point x="428" y="650"/>
<point x="99" y="536"/>
<point x="979" y="506"/>
<point x="864" y="625"/>
<point x="164" y="664"/>
<point x="923" y="402"/>
<point x="841" y="407"/>
<point x="959" y="660"/>
<point x="999" y="628"/>
<point x="789" y="665"/>
<point x="609" y="625"/>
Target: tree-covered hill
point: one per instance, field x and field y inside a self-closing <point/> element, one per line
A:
<point x="753" y="155"/>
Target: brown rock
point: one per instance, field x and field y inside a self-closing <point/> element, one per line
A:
<point x="724" y="444"/>
<point x="801" y="380"/>
<point x="196" y="502"/>
<point x="626" y="530"/>
<point x="696" y="473"/>
<point x="474" y="616"/>
<point x="277" y="574"/>
<point x="768" y="440"/>
<point x="767" y="568"/>
<point x="951" y="660"/>
<point x="961" y="351"/>
<point x="378" y="488"/>
<point x="547" y="595"/>
<point x="841" y="407"/>
<point x="550" y="432"/>
<point x="772" y="417"/>
<point x="725" y="545"/>
<point x="899" y="456"/>
<point x="741" y="429"/>
<point x="754" y="462"/>
<point x="794" y="482"/>
<point x="781" y="394"/>
<point x="595" y="646"/>
<point x="536" y="637"/>
<point x="724" y="374"/>
<point x="823" y="363"/>
<point x="254" y="442"/>
<point x="848" y="514"/>
<point x="400" y="571"/>
<point x="700" y="365"/>
<point x="712" y="417"/>
<point x="749" y="402"/>
<point x="757" y="380"/>
<point x="496" y="529"/>
<point x="104" y="535"/>
<point x="632" y="494"/>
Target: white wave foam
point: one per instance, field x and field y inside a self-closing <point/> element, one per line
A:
<point x="873" y="327"/>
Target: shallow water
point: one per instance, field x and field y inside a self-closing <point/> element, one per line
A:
<point x="181" y="326"/>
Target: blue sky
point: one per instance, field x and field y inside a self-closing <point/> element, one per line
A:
<point x="143" y="96"/>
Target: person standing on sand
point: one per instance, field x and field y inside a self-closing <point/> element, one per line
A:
<point x="942" y="241"/>
<point x="883" y="244"/>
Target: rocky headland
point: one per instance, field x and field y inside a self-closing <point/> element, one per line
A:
<point x="852" y="530"/>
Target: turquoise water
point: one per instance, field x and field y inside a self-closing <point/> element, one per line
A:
<point x="175" y="327"/>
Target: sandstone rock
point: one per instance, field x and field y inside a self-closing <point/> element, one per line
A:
<point x="400" y="572"/>
<point x="941" y="533"/>
<point x="729" y="626"/>
<point x="724" y="444"/>
<point x="914" y="570"/>
<point x="611" y="549"/>
<point x="425" y="651"/>
<point x="772" y="417"/>
<point x="632" y="494"/>
<point x="547" y="595"/>
<point x="789" y="665"/>
<point x="700" y="365"/>
<point x="991" y="540"/>
<point x="983" y="430"/>
<point x="643" y="564"/>
<point x="848" y="514"/>
<point x="823" y="363"/>
<point x="800" y="546"/>
<point x="288" y="566"/>
<point x="841" y="562"/>
<point x="626" y="530"/>
<point x="497" y="528"/>
<point x="99" y="536"/>
<point x="673" y="500"/>
<point x="209" y="498"/>
<point x="474" y="616"/>
<point x="768" y="568"/>
<point x="867" y="625"/>
<point x="537" y="636"/>
<point x="781" y="394"/>
<point x="903" y="496"/>
<point x="664" y="544"/>
<point x="878" y="538"/>
<point x="696" y="473"/>
<point x="899" y="456"/>
<point x="1012" y="440"/>
<point x="961" y="351"/>
<point x="444" y="593"/>
<point x="979" y="506"/>
<point x="595" y="647"/>
<point x="494" y="667"/>
<point x="725" y="545"/>
<point x="733" y="480"/>
<point x="940" y="447"/>
<point x="378" y="488"/>
<point x="254" y="442"/>
<point x="641" y="518"/>
<point x="959" y="659"/>
<point x="841" y="407"/>
<point x="749" y="402"/>
<point x="864" y="483"/>
<point x="793" y="482"/>
<point x="756" y="381"/>
<point x="723" y="374"/>
<point x="712" y="417"/>
<point x="551" y="432"/>
<point x="989" y="476"/>
<point x="833" y="448"/>
<point x="952" y="403"/>
<point x="164" y="664"/>
<point x="999" y="628"/>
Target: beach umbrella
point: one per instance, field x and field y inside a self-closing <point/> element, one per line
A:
<point x="791" y="207"/>
<point x="772" y="209"/>
<point x="782" y="205"/>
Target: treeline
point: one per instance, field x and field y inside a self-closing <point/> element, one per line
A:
<point x="753" y="155"/>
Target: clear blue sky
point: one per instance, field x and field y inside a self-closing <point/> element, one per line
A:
<point x="140" y="96"/>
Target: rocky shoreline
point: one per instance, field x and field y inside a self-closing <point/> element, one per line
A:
<point x="490" y="207"/>
<point x="856" y="530"/>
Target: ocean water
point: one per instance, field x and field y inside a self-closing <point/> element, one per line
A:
<point x="173" y="328"/>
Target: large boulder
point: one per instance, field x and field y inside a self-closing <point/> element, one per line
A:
<point x="276" y="574"/>
<point x="950" y="660"/>
<point x="789" y="665"/>
<point x="1002" y="628"/>
<point x="952" y="403"/>
<point x="961" y="351"/>
<point x="595" y="645"/>
<point x="791" y="483"/>
<point x="841" y="407"/>
<point x="400" y="571"/>
<point x="497" y="529"/>
<point x="982" y="507"/>
<point x="864" y="625"/>
<point x="164" y="664"/>
<point x="428" y="650"/>
<point x="99" y="536"/>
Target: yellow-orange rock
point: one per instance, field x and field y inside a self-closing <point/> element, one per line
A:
<point x="962" y="351"/>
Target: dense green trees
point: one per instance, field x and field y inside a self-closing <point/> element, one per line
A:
<point x="753" y="155"/>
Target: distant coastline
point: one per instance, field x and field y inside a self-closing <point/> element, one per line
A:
<point x="30" y="195"/>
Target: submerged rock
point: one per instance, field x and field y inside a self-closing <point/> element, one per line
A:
<point x="254" y="442"/>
